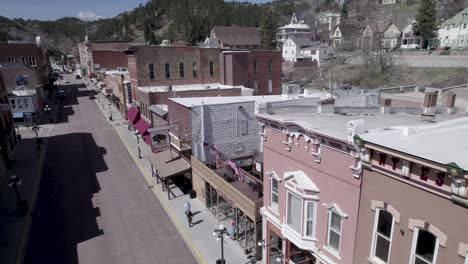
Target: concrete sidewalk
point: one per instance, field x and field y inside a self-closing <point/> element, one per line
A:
<point x="14" y="230"/>
<point x="199" y="237"/>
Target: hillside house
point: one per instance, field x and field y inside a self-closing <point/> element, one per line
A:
<point x="453" y="32"/>
<point x="409" y="40"/>
<point x="296" y="28"/>
<point x="236" y="37"/>
<point x="292" y="48"/>
<point x="391" y="37"/>
<point x="343" y="34"/>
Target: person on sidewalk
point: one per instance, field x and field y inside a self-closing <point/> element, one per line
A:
<point x="233" y="229"/>
<point x="189" y="218"/>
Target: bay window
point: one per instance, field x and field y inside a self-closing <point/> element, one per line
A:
<point x="382" y="235"/>
<point x="294" y="212"/>
<point x="424" y="250"/>
<point x="310" y="219"/>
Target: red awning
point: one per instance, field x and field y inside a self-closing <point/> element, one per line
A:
<point x="142" y="126"/>
<point x="133" y="115"/>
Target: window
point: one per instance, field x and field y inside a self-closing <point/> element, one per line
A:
<point x="211" y="68"/>
<point x="274" y="193"/>
<point x="151" y="71"/>
<point x="11" y="59"/>
<point x="424" y="247"/>
<point x="294" y="212"/>
<point x="195" y="69"/>
<point x="23" y="60"/>
<point x="20" y="103"/>
<point x="26" y="103"/>
<point x="32" y="61"/>
<point x="464" y="25"/>
<point x="270" y="86"/>
<point x="382" y="236"/>
<point x="334" y="230"/>
<point x="255" y="65"/>
<point x="168" y="73"/>
<point x="270" y="66"/>
<point x="243" y="127"/>
<point x="181" y="70"/>
<point x="13" y="103"/>
<point x="310" y="219"/>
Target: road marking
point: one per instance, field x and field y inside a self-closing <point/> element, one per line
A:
<point x="163" y="202"/>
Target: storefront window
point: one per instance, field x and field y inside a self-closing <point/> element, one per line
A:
<point x="294" y="212"/>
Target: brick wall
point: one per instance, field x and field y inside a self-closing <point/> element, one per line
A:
<point x="263" y="74"/>
<point x="162" y="97"/>
<point x="179" y="120"/>
<point x="109" y="60"/>
<point x="23" y="50"/>
<point x="174" y="56"/>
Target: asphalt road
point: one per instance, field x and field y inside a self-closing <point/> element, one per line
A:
<point x="94" y="206"/>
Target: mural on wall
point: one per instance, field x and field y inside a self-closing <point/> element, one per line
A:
<point x="21" y="80"/>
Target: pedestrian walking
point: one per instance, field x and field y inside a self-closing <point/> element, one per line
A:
<point x="189" y="218"/>
<point x="233" y="229"/>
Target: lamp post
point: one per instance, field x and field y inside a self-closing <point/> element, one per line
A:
<point x="278" y="257"/>
<point x="138" y="142"/>
<point x="220" y="233"/>
<point x="47" y="110"/>
<point x="110" y="110"/>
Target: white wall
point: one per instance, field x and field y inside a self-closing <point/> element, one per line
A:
<point x="454" y="36"/>
<point x="290" y="51"/>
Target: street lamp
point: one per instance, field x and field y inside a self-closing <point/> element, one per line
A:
<point x="110" y="111"/>
<point x="138" y="142"/>
<point x="47" y="110"/>
<point x="220" y="233"/>
<point x="278" y="257"/>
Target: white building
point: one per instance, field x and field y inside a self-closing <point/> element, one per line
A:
<point x="409" y="40"/>
<point x="331" y="20"/>
<point x="319" y="53"/>
<point x="292" y="48"/>
<point x="391" y="37"/>
<point x="453" y="32"/>
<point x="25" y="106"/>
<point x="296" y="28"/>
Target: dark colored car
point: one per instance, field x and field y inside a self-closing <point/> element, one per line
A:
<point x="91" y="96"/>
<point x="78" y="77"/>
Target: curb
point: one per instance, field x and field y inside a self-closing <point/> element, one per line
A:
<point x="188" y="241"/>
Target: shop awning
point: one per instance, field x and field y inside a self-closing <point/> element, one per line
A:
<point x="142" y="126"/>
<point x="133" y="115"/>
<point x="168" y="165"/>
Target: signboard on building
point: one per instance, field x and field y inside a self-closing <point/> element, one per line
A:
<point x="159" y="138"/>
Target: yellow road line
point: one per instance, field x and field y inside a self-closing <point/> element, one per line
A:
<point x="168" y="210"/>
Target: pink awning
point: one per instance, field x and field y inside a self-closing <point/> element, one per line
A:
<point x="133" y="115"/>
<point x="142" y="126"/>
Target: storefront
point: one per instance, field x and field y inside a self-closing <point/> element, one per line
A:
<point x="231" y="200"/>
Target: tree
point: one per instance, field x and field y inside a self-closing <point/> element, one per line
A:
<point x="268" y="32"/>
<point x="426" y="26"/>
<point x="344" y="11"/>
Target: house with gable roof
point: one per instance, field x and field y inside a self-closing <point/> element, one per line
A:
<point x="453" y="32"/>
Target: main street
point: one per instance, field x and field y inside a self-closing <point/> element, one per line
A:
<point x="93" y="205"/>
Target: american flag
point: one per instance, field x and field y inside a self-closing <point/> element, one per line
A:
<point x="233" y="166"/>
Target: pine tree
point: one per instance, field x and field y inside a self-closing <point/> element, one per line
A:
<point x="344" y="11"/>
<point x="268" y="32"/>
<point x="426" y="26"/>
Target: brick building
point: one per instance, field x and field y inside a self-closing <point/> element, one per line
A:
<point x="236" y="37"/>
<point x="102" y="56"/>
<point x="8" y="139"/>
<point x="258" y="69"/>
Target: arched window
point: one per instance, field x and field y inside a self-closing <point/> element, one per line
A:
<point x="382" y="235"/>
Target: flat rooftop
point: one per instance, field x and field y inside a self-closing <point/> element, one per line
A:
<point x="443" y="142"/>
<point x="188" y="87"/>
<point x="335" y="125"/>
<point x="191" y="101"/>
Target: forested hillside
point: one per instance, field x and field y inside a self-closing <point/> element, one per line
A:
<point x="191" y="20"/>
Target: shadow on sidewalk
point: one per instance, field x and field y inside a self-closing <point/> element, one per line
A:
<point x="65" y="215"/>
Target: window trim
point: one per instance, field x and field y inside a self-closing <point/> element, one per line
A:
<point x="330" y="212"/>
<point x="211" y="68"/>
<point x="32" y="59"/>
<point x="167" y="69"/>
<point x="151" y="71"/>
<point x="181" y="70"/>
<point x="374" y="235"/>
<point x="415" y="241"/>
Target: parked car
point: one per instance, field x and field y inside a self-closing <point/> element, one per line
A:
<point x="78" y="77"/>
<point x="91" y="96"/>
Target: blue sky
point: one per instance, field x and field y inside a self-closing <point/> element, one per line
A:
<point x="54" y="9"/>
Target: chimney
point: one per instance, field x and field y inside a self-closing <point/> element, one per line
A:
<point x="326" y="106"/>
<point x="429" y="103"/>
<point x="451" y="103"/>
<point x="38" y="41"/>
<point x="385" y="106"/>
<point x="355" y="127"/>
